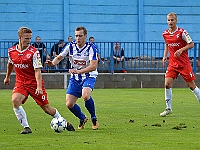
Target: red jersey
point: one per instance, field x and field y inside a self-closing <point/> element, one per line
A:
<point x="175" y="41"/>
<point x="25" y="62"/>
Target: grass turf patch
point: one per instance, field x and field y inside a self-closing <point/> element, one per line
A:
<point x="128" y="118"/>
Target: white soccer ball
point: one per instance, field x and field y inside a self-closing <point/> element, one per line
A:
<point x="58" y="124"/>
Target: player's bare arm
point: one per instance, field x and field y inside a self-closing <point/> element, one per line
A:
<point x="187" y="47"/>
<point x="165" y="54"/>
<point x="10" y="67"/>
<point x="92" y="67"/>
<point x="38" y="77"/>
<point x="55" y="61"/>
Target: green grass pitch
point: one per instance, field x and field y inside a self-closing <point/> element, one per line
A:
<point x="129" y="120"/>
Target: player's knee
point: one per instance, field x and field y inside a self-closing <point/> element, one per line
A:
<point x="16" y="102"/>
<point x="69" y="105"/>
<point x="167" y="85"/>
<point x="86" y="97"/>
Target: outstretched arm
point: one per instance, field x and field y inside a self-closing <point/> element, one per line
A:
<point x="55" y="61"/>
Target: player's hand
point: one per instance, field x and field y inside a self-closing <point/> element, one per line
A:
<point x="164" y="60"/>
<point x="49" y="62"/>
<point x="7" y="81"/>
<point x="73" y="71"/>
<point x="118" y="59"/>
<point x="177" y="53"/>
<point x="38" y="91"/>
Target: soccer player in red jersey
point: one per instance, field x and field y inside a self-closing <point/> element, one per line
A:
<point x="177" y="43"/>
<point x="27" y="62"/>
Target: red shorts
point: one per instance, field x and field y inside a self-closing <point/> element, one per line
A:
<point x="186" y="72"/>
<point x="27" y="90"/>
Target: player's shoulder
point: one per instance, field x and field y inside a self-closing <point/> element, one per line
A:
<point x="180" y="29"/>
<point x="69" y="44"/>
<point x="165" y="32"/>
<point x="13" y="48"/>
<point x="32" y="49"/>
<point x="90" y="44"/>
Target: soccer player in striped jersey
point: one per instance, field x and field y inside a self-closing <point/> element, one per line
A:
<point x="84" y="61"/>
<point x="177" y="43"/>
<point x="27" y="63"/>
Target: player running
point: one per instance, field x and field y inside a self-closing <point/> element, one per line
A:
<point x="178" y="42"/>
<point x="26" y="61"/>
<point x="84" y="60"/>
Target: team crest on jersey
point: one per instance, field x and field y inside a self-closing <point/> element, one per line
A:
<point x="86" y="54"/>
<point x="28" y="56"/>
<point x="177" y="36"/>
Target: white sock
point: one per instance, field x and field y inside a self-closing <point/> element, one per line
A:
<point x="57" y="114"/>
<point x="196" y="92"/>
<point x="168" y="98"/>
<point x="21" y="116"/>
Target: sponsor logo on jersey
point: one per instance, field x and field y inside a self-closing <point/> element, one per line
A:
<point x="173" y="44"/>
<point x="21" y="66"/>
<point x="80" y="62"/>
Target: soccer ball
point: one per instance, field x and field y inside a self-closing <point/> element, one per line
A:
<point x="58" y="124"/>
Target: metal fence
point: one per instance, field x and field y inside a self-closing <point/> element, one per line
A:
<point x="139" y="56"/>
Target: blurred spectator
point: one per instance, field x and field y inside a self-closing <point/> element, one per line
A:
<point x="70" y="38"/>
<point x="42" y="49"/>
<point x="66" y="62"/>
<point x="118" y="56"/>
<point x="91" y="39"/>
<point x="55" y="51"/>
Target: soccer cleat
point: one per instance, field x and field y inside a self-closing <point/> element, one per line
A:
<point x="166" y="112"/>
<point x="82" y="123"/>
<point x="95" y="124"/>
<point x="70" y="127"/>
<point x="26" y="130"/>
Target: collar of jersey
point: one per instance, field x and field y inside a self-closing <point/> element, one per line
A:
<point x="80" y="50"/>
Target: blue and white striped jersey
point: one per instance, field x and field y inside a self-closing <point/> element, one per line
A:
<point x="80" y="58"/>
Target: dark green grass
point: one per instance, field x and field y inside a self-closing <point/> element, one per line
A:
<point x="115" y="108"/>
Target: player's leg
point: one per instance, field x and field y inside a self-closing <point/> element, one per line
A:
<point x="189" y="77"/>
<point x="88" y="86"/>
<point x="18" y="97"/>
<point x="170" y="75"/>
<point x="168" y="97"/>
<point x="72" y="94"/>
<point x="42" y="101"/>
<point x="194" y="89"/>
<point x="55" y="114"/>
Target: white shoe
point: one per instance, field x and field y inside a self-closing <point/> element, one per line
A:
<point x="166" y="112"/>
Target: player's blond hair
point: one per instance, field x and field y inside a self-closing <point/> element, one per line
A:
<point x="23" y="30"/>
<point x="172" y="14"/>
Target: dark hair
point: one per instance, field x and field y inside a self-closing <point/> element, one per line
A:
<point x="91" y="38"/>
<point x="61" y="41"/>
